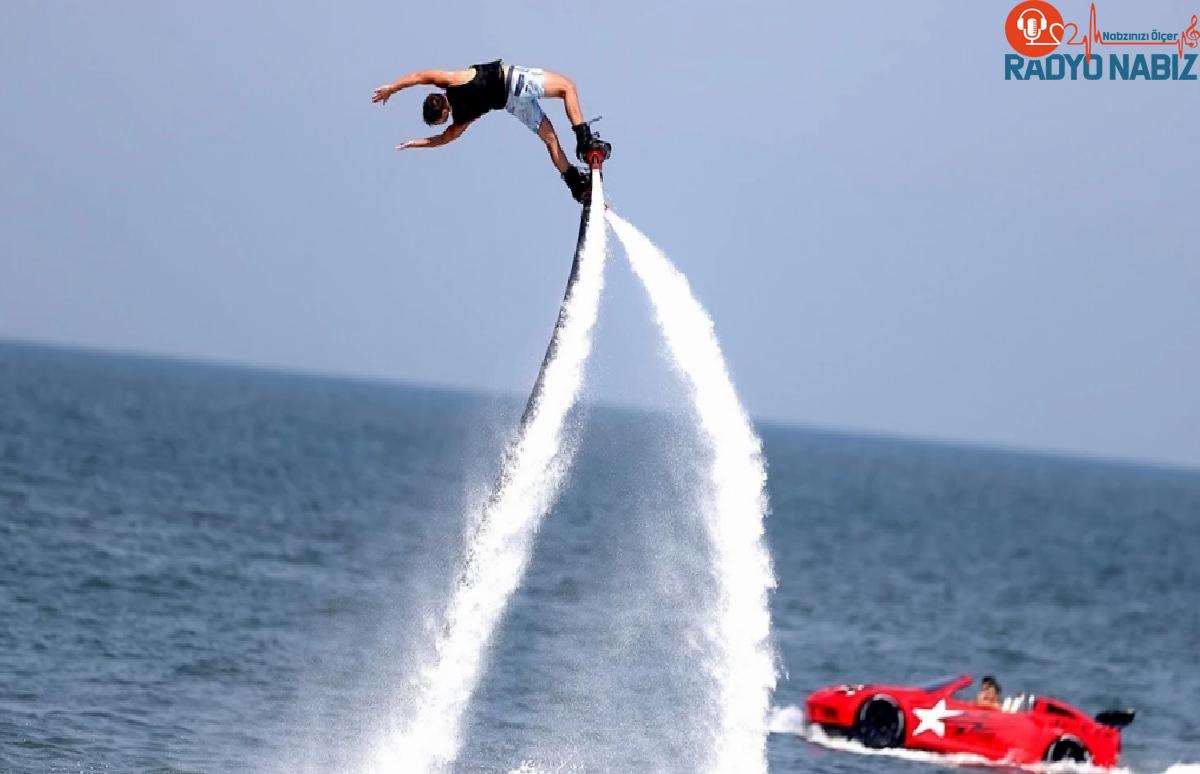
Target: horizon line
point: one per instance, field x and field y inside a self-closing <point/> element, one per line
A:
<point x="764" y="422"/>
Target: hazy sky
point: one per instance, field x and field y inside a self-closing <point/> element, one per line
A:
<point x="889" y="236"/>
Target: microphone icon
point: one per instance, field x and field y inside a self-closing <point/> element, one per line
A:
<point x="1031" y="22"/>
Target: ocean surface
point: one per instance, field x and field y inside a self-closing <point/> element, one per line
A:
<point x="209" y="569"/>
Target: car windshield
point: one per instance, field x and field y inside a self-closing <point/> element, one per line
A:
<point x="938" y="684"/>
<point x="1022" y="702"/>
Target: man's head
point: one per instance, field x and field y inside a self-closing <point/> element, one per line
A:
<point x="436" y="109"/>
<point x="989" y="688"/>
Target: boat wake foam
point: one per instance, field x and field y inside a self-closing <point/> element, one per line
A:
<point x="790" y="720"/>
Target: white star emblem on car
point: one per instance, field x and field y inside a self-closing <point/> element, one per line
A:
<point x="932" y="719"/>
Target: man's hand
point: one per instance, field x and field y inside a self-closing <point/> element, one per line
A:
<point x="452" y="133"/>
<point x="440" y="78"/>
<point x="382" y="93"/>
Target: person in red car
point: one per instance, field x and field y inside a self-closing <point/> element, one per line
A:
<point x="989" y="693"/>
<point x="1039" y="729"/>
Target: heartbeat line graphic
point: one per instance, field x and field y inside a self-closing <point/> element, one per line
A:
<point x="1190" y="37"/>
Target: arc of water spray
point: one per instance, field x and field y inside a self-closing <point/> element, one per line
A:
<point x="530" y="478"/>
<point x="743" y="663"/>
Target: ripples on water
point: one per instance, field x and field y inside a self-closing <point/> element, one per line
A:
<point x="207" y="569"/>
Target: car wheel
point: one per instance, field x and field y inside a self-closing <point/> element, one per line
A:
<point x="880" y="723"/>
<point x="1068" y="748"/>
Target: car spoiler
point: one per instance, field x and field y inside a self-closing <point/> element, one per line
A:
<point x="1115" y="718"/>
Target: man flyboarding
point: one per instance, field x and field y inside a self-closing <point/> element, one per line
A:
<point x="494" y="85"/>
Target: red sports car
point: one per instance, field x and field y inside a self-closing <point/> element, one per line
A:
<point x="1026" y="729"/>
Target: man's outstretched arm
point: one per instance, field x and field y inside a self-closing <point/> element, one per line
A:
<point x="452" y="133"/>
<point x="439" y="78"/>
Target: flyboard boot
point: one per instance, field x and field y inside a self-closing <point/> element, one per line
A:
<point x="579" y="182"/>
<point x="591" y="150"/>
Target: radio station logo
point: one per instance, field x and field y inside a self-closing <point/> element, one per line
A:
<point x="1043" y="43"/>
<point x="1028" y="28"/>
